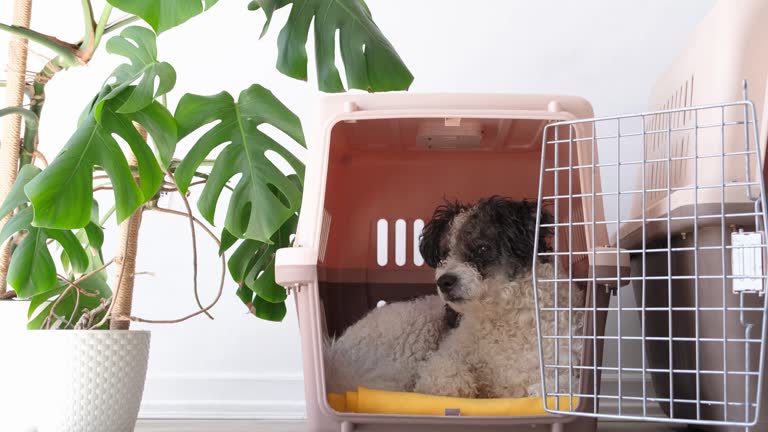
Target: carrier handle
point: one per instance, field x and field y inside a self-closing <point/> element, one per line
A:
<point x="295" y="266"/>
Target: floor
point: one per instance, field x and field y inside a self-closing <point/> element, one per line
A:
<point x="299" y="426"/>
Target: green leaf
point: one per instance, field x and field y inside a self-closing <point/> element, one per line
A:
<point x="62" y="194"/>
<point x="36" y="323"/>
<point x="252" y="265"/>
<point x="32" y="270"/>
<point x="268" y="311"/>
<point x="16" y="195"/>
<point x="139" y="46"/>
<point x="163" y="14"/>
<point x="64" y="259"/>
<point x="227" y="241"/>
<point x="264" y="198"/>
<point x="75" y="252"/>
<point x="66" y="307"/>
<point x="92" y="238"/>
<point x="370" y="61"/>
<point x="95" y="235"/>
<point x="18" y="222"/>
<point x="245" y="295"/>
<point x="39" y="299"/>
<point x="240" y="260"/>
<point x="264" y="285"/>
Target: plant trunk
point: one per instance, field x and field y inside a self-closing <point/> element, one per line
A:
<point x="125" y="260"/>
<point x="11" y="138"/>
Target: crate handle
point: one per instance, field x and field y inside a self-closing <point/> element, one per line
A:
<point x="295" y="266"/>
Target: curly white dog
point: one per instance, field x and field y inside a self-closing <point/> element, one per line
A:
<point x="483" y="255"/>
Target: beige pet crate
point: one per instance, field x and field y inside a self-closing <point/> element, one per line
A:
<point x="684" y="200"/>
<point x="378" y="165"/>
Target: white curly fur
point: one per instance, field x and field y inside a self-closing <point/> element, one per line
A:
<point x="383" y="350"/>
<point x="494" y="351"/>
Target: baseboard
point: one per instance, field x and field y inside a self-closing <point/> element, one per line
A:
<point x="224" y="396"/>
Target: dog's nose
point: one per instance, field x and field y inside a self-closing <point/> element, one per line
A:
<point x="447" y="282"/>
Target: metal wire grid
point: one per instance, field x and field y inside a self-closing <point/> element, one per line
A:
<point x="689" y="344"/>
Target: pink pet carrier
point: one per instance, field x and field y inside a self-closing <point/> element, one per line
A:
<point x="378" y="167"/>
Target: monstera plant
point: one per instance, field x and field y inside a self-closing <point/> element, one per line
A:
<point x="125" y="142"/>
<point x="125" y="145"/>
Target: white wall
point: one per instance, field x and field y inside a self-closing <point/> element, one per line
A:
<point x="238" y="366"/>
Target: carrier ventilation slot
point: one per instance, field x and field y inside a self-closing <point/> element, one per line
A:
<point x="382" y="242"/>
<point x="658" y="148"/>
<point x="402" y="243"/>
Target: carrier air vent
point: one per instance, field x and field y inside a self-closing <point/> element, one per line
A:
<point x="382" y="246"/>
<point x="405" y="241"/>
<point x="400" y="242"/>
<point x="660" y="129"/>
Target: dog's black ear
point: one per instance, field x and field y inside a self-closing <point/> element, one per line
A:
<point x="435" y="229"/>
<point x="518" y="219"/>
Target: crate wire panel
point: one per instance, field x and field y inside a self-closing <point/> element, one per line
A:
<point x="685" y="205"/>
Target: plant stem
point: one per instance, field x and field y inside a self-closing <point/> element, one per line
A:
<point x="100" y="27"/>
<point x="89" y="23"/>
<point x="106" y="216"/>
<point x="30" y="119"/>
<point x="9" y="150"/>
<point x="62" y="49"/>
<point x="126" y="269"/>
<point x="120" y="23"/>
<point x="37" y="99"/>
<point x="126" y="261"/>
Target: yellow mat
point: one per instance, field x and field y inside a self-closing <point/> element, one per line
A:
<point x="371" y="401"/>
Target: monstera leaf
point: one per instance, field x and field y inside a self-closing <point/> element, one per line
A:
<point x="163" y="14"/>
<point x="264" y="198"/>
<point x="32" y="270"/>
<point x="139" y="46"/>
<point x="370" y="61"/>
<point x="62" y="194"/>
<point x="252" y="266"/>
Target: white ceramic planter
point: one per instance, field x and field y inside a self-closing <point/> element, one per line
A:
<point x="81" y="381"/>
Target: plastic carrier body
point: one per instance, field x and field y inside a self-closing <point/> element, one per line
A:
<point x="378" y="166"/>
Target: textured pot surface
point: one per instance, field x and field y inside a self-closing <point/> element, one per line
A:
<point x="82" y="381"/>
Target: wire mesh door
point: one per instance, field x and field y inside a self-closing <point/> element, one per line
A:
<point x="684" y="206"/>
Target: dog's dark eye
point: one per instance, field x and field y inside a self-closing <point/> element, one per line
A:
<point x="483" y="251"/>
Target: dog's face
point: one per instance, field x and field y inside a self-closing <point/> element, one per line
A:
<point x="478" y="249"/>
